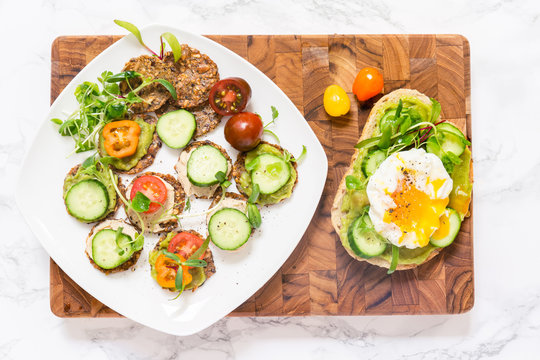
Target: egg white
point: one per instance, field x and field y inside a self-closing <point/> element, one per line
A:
<point x="408" y="169"/>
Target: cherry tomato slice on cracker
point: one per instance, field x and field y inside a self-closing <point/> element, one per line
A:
<point x="153" y="188"/>
<point x="229" y="96"/>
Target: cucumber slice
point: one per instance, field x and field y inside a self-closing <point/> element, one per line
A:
<point x="87" y="200"/>
<point x="364" y="240"/>
<point x="449" y="128"/>
<point x="271" y="173"/>
<point x="445" y="142"/>
<point x="229" y="229"/>
<point x="372" y="162"/>
<point x="448" y="229"/>
<point x="176" y="128"/>
<point x="387" y="119"/>
<point x="105" y="251"/>
<point x="204" y="163"/>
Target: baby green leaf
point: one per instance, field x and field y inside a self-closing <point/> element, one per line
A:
<point x="435" y="110"/>
<point x="89" y="161"/>
<point x="275" y="112"/>
<point x="168" y="86"/>
<point x="254" y="194"/>
<point x="179" y="280"/>
<point x="194" y="263"/>
<point x="395" y="258"/>
<point x="254" y="216"/>
<point x="138" y="243"/>
<point x="171" y="256"/>
<point x="116" y="239"/>
<point x="384" y="141"/>
<point x="122" y="76"/>
<point x="197" y="254"/>
<point x="140" y="202"/>
<point x="399" y="108"/>
<point x="174" y="44"/>
<point x="368" y="143"/>
<point x="57" y="121"/>
<point x="135" y="31"/>
<point x="220" y="176"/>
<point x="225" y="184"/>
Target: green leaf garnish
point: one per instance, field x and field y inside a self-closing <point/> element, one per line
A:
<point x="138" y="243"/>
<point x="368" y="143"/>
<point x="399" y="108"/>
<point x="122" y="76"/>
<point x="168" y="86"/>
<point x="174" y="44"/>
<point x="435" y="110"/>
<point x="200" y="251"/>
<point x="187" y="206"/>
<point x="135" y="31"/>
<point x="57" y="121"/>
<point x="171" y="256"/>
<point x="194" y="263"/>
<point x="273" y="134"/>
<point x="89" y="161"/>
<point x="252" y="164"/>
<point x="302" y="155"/>
<point x="179" y="280"/>
<point x="384" y="141"/>
<point x="220" y="176"/>
<point x="275" y="112"/>
<point x="395" y="258"/>
<point x="117" y="235"/>
<point x="254" y="216"/>
<point x="140" y="202"/>
<point x="225" y="184"/>
<point x="254" y="194"/>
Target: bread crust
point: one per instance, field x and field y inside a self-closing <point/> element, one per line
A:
<point x="367" y="132"/>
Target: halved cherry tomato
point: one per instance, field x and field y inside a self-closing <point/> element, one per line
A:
<point x="166" y="270"/>
<point x="153" y="188"/>
<point x="185" y="244"/>
<point x="120" y="138"/>
<point x="368" y="83"/>
<point x="229" y="96"/>
<point x="244" y="131"/>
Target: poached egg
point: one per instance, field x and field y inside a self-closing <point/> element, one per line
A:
<point x="408" y="193"/>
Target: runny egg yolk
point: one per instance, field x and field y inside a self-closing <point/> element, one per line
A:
<point x="416" y="212"/>
<point x="444" y="228"/>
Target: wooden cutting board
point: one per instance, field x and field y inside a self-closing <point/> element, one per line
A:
<point x="320" y="278"/>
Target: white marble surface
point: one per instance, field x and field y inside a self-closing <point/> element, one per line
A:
<point x="505" y="322"/>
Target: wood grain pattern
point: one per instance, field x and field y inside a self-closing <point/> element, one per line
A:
<point x="320" y="278"/>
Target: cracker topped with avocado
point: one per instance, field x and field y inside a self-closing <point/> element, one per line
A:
<point x="89" y="193"/>
<point x="271" y="168"/>
<point x="133" y="144"/>
<point x="408" y="187"/>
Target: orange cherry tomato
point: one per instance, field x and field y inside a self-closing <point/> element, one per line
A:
<point x="120" y="138"/>
<point x="166" y="270"/>
<point x="368" y="83"/>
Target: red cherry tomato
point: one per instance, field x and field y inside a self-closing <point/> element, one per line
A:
<point x="244" y="131"/>
<point x="368" y="83"/>
<point x="229" y="96"/>
<point x="154" y="188"/>
<point x="185" y="244"/>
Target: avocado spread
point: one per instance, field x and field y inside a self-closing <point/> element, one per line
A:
<point x="102" y="177"/>
<point x="355" y="200"/>
<point x="245" y="179"/>
<point x="145" y="139"/>
<point x="196" y="272"/>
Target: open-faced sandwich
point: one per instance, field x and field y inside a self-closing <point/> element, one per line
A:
<point x="89" y="194"/>
<point x="113" y="246"/>
<point x="181" y="261"/>
<point x="228" y="223"/>
<point x="166" y="197"/>
<point x="198" y="165"/>
<point x="271" y="168"/>
<point x="133" y="144"/>
<point x="408" y="187"/>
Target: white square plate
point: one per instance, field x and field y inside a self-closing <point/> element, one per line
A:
<point x="241" y="273"/>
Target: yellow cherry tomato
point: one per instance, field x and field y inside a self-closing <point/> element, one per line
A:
<point x="336" y="102"/>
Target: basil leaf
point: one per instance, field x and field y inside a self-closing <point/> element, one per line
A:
<point x="254" y="216"/>
<point x="435" y="110"/>
<point x="140" y="202"/>
<point x="194" y="263"/>
<point x="399" y="108"/>
<point x="200" y="251"/>
<point x="168" y="86"/>
<point x="252" y="164"/>
<point x="220" y="176"/>
<point x="275" y="112"/>
<point x="171" y="256"/>
<point x="254" y="194"/>
<point x="395" y="258"/>
<point x="174" y="44"/>
<point x="353" y="183"/>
